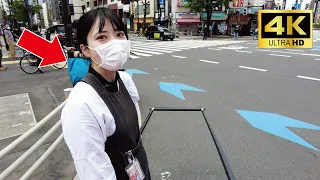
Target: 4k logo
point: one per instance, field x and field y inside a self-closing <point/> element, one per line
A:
<point x="285" y="29"/>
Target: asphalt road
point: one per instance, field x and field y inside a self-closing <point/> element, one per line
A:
<point x="253" y="153"/>
<point x="234" y="76"/>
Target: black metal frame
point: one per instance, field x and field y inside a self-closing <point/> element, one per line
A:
<point x="222" y="156"/>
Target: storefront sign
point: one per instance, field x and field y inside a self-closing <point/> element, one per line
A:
<point x="187" y="15"/>
<point x="183" y="3"/>
<point x="215" y="16"/>
<point x="240" y="3"/>
<point x="239" y="19"/>
<point x="235" y="3"/>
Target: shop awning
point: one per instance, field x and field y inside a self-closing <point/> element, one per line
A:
<point x="188" y="21"/>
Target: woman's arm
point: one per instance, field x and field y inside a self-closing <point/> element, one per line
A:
<point x="86" y="143"/>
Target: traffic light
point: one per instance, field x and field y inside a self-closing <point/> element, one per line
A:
<point x="245" y="11"/>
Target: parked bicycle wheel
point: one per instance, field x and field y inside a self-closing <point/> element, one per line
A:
<point x="60" y="65"/>
<point x="28" y="64"/>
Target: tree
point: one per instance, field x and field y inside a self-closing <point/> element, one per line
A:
<point x="207" y="6"/>
<point x="3" y="12"/>
<point x="18" y="10"/>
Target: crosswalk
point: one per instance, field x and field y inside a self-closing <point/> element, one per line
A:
<point x="148" y="49"/>
<point x="140" y="49"/>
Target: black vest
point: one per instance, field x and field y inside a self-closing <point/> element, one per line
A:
<point x="127" y="135"/>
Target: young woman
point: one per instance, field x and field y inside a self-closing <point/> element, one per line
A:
<point x="99" y="120"/>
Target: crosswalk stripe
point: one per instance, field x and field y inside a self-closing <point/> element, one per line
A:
<point x="149" y="52"/>
<point x="153" y="49"/>
<point x="168" y="46"/>
<point x="134" y="57"/>
<point x="142" y="54"/>
<point x="162" y="48"/>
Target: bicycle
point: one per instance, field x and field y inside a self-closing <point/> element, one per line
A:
<point x="30" y="60"/>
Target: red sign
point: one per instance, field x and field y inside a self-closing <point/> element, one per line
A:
<point x="49" y="52"/>
<point x="235" y="3"/>
<point x="240" y="3"/>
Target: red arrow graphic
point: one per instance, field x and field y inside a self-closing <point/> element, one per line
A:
<point x="49" y="52"/>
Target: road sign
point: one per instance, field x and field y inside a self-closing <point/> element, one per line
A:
<point x="296" y="6"/>
<point x="175" y="88"/>
<point x="277" y="125"/>
<point x="285" y="29"/>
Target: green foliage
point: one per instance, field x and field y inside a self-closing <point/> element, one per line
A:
<point x="316" y="25"/>
<point x="19" y="12"/>
<point x="36" y="9"/>
<point x="207" y="6"/>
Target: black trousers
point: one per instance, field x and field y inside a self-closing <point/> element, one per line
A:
<point x="38" y="60"/>
<point x="0" y="58"/>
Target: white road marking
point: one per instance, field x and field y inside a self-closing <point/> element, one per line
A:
<point x="309" y="78"/>
<point x="303" y="54"/>
<point x="213" y="62"/>
<point x="179" y="56"/>
<point x="214" y="49"/>
<point x="152" y="49"/>
<point x="134" y="57"/>
<point x="243" y="51"/>
<point x="317" y="59"/>
<point x="295" y="50"/>
<point x="279" y="55"/>
<point x="251" y="68"/>
<point x="141" y="54"/>
<point x="16" y="125"/>
<point x="149" y="52"/>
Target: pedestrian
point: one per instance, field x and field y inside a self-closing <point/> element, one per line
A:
<point x="236" y="32"/>
<point x="205" y="32"/>
<point x="10" y="40"/>
<point x="99" y="119"/>
<point x="2" y="68"/>
<point x="16" y="33"/>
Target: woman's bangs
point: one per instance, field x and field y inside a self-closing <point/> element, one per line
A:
<point x="113" y="18"/>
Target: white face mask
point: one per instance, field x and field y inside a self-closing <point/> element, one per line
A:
<point x="113" y="54"/>
<point x="8" y="28"/>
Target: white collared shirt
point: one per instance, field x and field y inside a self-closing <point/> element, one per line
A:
<point x="83" y="115"/>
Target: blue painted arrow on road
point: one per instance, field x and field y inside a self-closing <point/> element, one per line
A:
<point x="277" y="125"/>
<point x="135" y="71"/>
<point x="175" y="88"/>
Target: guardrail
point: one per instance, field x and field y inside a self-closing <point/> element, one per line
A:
<point x="33" y="148"/>
<point x="39" y="143"/>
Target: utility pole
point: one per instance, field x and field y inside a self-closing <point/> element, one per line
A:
<point x="67" y="22"/>
<point x="29" y="10"/>
<point x="159" y="11"/>
<point x="145" y="3"/>
<point x="138" y="12"/>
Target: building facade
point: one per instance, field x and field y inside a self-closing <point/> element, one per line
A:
<point x="182" y="20"/>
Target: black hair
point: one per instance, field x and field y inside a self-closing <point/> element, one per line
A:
<point x="75" y="23"/>
<point x="35" y="27"/>
<point x="87" y="20"/>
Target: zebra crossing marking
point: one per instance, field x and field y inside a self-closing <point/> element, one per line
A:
<point x="157" y="48"/>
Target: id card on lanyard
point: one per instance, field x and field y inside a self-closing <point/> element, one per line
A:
<point x="134" y="169"/>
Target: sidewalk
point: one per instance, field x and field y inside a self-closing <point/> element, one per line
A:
<point x="6" y="54"/>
